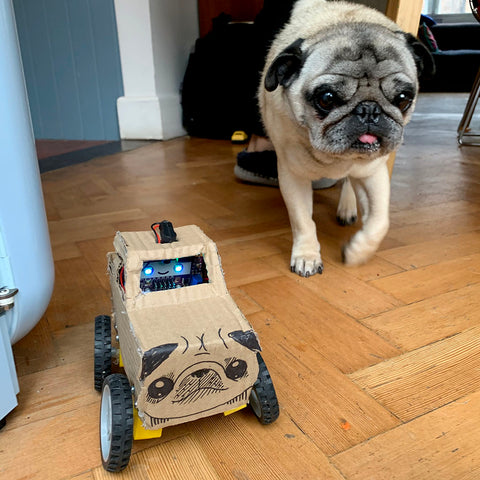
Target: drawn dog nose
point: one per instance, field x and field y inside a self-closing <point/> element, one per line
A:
<point x="368" y="112"/>
<point x="201" y="373"/>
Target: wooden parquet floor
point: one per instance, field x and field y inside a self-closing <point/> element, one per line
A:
<point x="377" y="368"/>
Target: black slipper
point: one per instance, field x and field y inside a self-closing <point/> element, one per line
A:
<point x="261" y="168"/>
<point x="257" y="167"/>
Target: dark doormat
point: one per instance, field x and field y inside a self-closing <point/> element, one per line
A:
<point x="55" y="162"/>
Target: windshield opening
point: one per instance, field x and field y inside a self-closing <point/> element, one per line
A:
<point x="158" y="275"/>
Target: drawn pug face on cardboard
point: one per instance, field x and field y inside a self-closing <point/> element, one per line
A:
<point x="213" y="369"/>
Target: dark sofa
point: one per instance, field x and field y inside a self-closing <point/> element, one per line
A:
<point x="457" y="58"/>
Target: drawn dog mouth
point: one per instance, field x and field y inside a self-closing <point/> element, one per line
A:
<point x="242" y="397"/>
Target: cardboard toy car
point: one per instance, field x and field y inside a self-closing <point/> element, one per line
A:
<point x="186" y="348"/>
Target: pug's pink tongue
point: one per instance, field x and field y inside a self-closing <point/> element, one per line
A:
<point x="367" y="138"/>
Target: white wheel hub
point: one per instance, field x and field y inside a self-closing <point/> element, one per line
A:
<point x="255" y="403"/>
<point x="106" y="423"/>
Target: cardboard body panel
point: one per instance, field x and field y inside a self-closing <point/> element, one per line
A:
<point x="189" y="352"/>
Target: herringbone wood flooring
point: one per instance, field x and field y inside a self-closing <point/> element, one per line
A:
<point x="377" y="368"/>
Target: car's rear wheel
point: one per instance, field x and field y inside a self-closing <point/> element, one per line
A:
<point x="103" y="350"/>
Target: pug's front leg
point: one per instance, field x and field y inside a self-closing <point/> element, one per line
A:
<point x="298" y="196"/>
<point x="376" y="193"/>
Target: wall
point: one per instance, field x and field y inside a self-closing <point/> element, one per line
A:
<point x="155" y="38"/>
<point x="72" y="67"/>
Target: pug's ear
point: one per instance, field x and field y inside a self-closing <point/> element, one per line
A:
<point x="422" y="56"/>
<point x="286" y="67"/>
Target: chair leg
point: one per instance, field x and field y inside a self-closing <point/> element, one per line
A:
<point x="464" y="126"/>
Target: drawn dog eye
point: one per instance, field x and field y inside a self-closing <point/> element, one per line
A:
<point x="403" y="101"/>
<point x="236" y="369"/>
<point x="159" y="389"/>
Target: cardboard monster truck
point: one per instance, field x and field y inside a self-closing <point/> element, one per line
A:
<point x="186" y="348"/>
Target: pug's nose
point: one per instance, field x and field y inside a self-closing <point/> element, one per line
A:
<point x="368" y="112"/>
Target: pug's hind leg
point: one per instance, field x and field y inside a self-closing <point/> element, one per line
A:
<point x="347" y="205"/>
<point x="366" y="241"/>
<point x="298" y="196"/>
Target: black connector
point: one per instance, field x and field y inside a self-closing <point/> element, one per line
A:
<point x="164" y="232"/>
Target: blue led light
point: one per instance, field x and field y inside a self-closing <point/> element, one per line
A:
<point x="148" y="271"/>
<point x="178" y="267"/>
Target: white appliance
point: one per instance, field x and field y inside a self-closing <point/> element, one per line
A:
<point x="26" y="264"/>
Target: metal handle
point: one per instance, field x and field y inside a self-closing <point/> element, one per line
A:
<point x="7" y="298"/>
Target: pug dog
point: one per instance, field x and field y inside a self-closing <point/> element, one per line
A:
<point x="339" y="85"/>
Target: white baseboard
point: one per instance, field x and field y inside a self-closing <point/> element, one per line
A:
<point x="150" y="118"/>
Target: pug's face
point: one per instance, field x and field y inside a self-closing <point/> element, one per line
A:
<point x="353" y="87"/>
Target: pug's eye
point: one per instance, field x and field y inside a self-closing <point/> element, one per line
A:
<point x="326" y="100"/>
<point x="403" y="101"/>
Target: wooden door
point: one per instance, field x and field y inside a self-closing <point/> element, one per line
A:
<point x="241" y="11"/>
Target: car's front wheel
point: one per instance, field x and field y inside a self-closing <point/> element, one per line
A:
<point x="263" y="398"/>
<point x="116" y="422"/>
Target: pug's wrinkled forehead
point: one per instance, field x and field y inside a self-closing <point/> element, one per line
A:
<point x="367" y="54"/>
<point x="357" y="51"/>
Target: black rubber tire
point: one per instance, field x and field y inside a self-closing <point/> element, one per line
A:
<point x="263" y="399"/>
<point x="103" y="350"/>
<point x="116" y="423"/>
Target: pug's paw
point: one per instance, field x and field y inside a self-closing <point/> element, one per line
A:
<point x="306" y="265"/>
<point x="346" y="213"/>
<point x="359" y="250"/>
<point x="347" y="206"/>
<point x="346" y="218"/>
